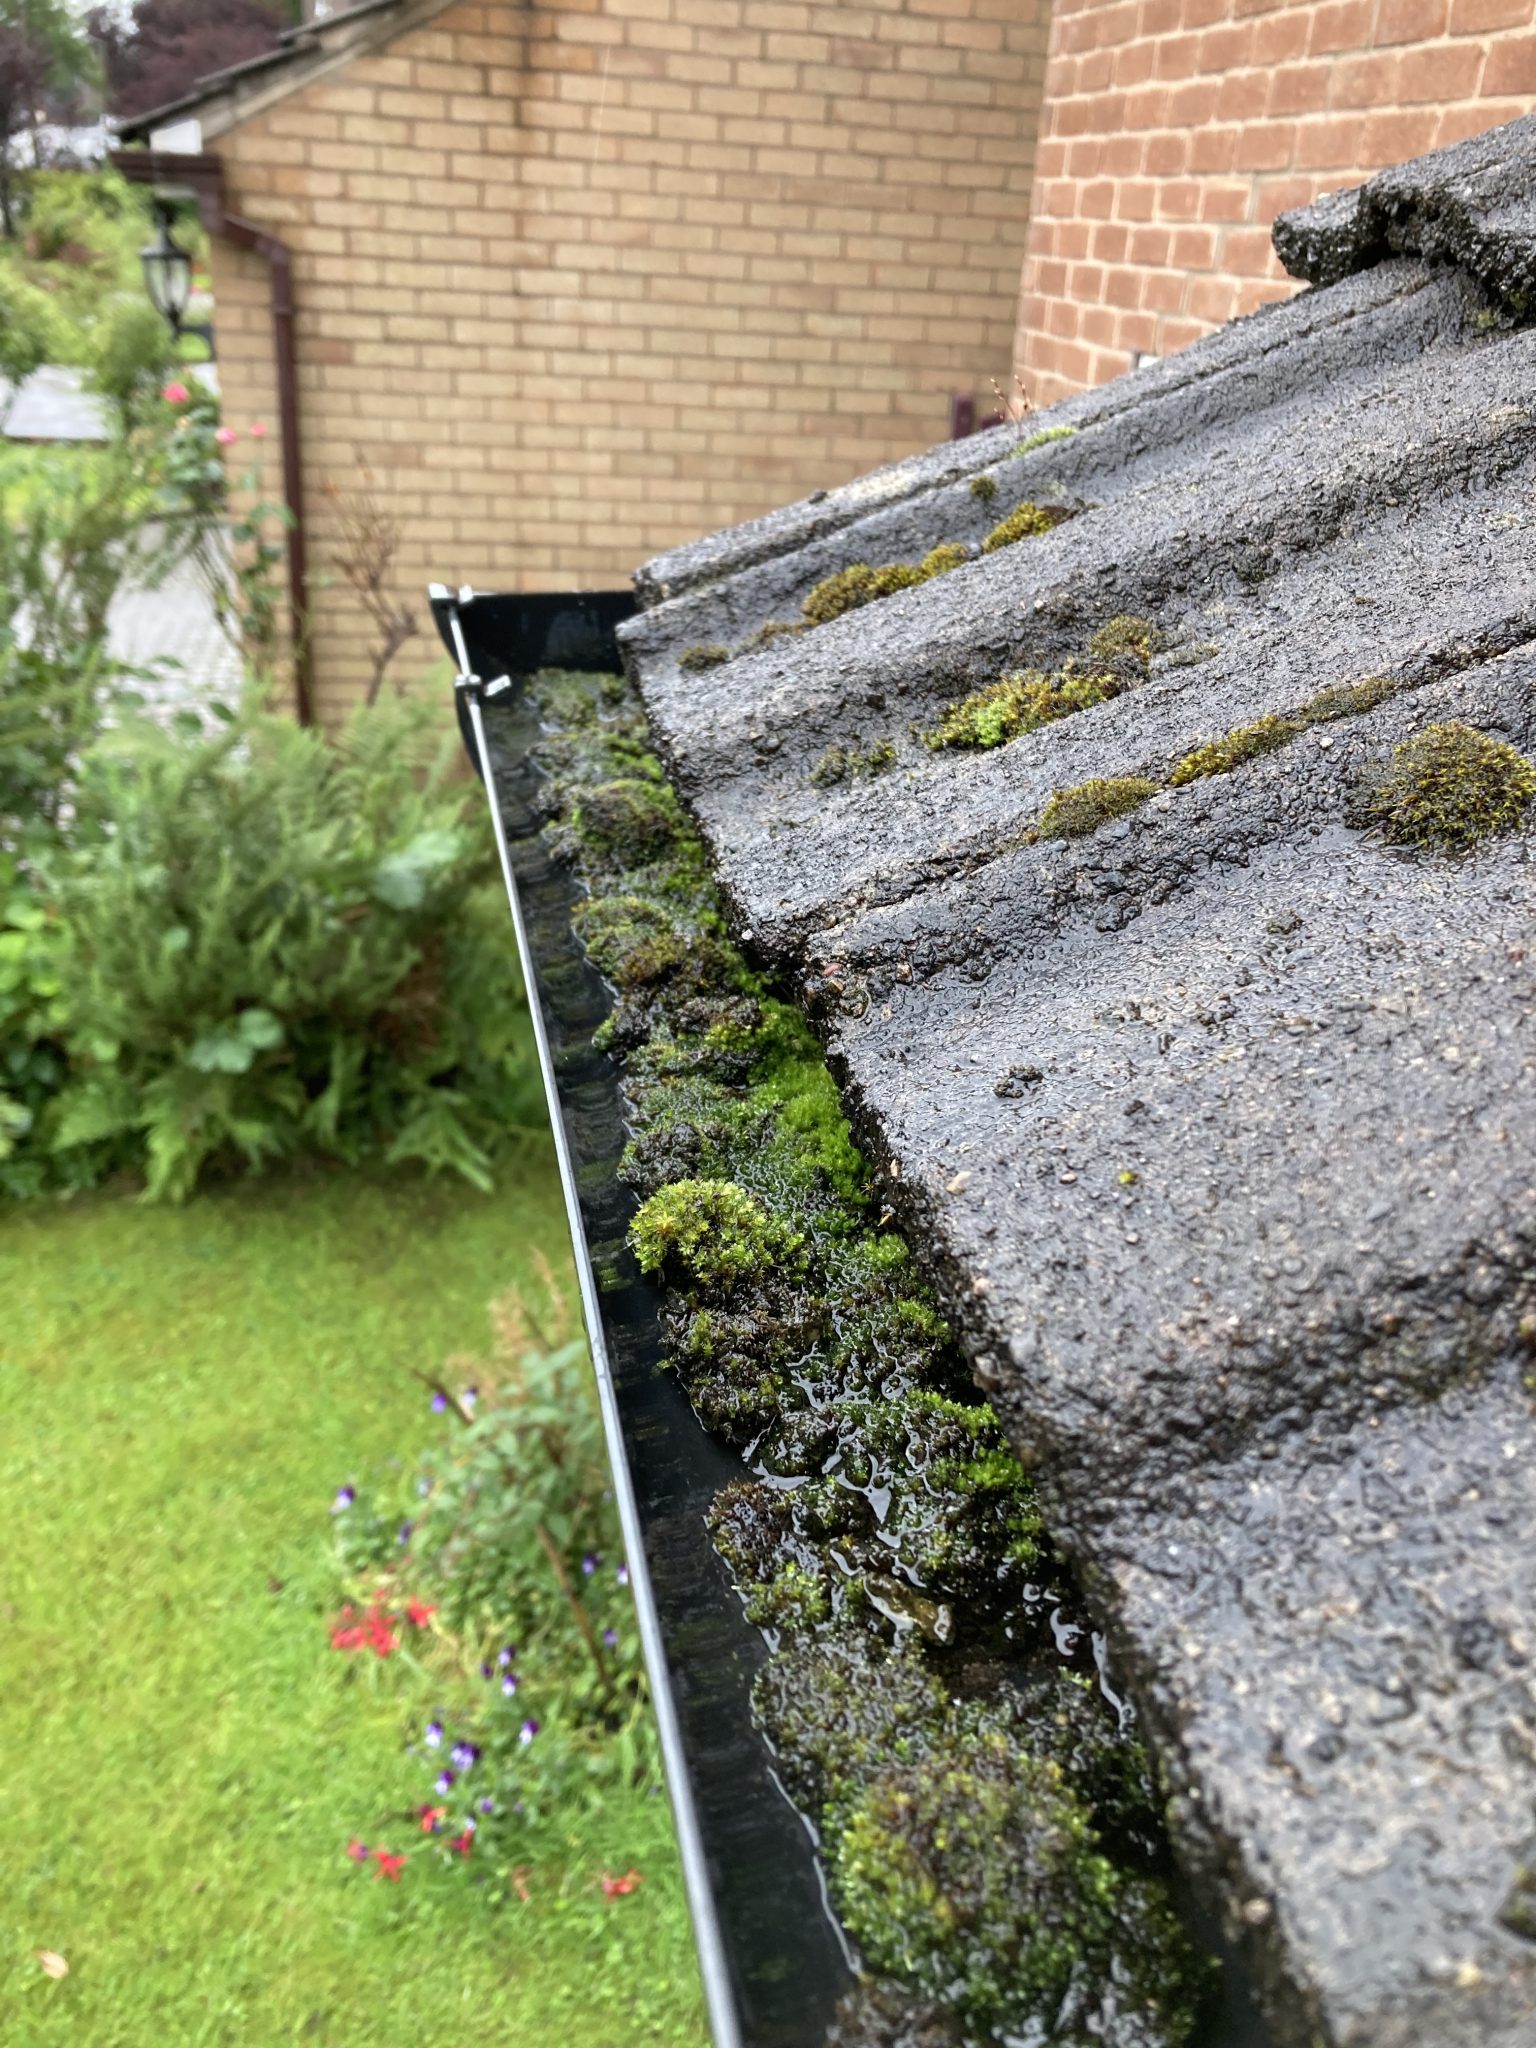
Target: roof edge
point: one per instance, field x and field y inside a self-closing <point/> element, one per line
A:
<point x="223" y="99"/>
<point x="1468" y="205"/>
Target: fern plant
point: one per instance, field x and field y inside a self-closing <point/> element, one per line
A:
<point x="265" y="944"/>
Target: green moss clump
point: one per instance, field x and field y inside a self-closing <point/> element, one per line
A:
<point x="840" y="1707"/>
<point x="775" y="629"/>
<point x="949" y="554"/>
<point x="1083" y="808"/>
<point x="705" y="655"/>
<point x="631" y="940"/>
<point x="840" y="763"/>
<point x="961" y="1517"/>
<point x="1247" y="743"/>
<point x="631" y="820"/>
<point x="711" y="1232"/>
<point x="843" y="592"/>
<point x="1022" y="523"/>
<point x="782" y="1579"/>
<point x="1124" y="637"/>
<point x="1347" y="700"/>
<point x="859" y="584"/>
<point x="984" y="488"/>
<point x="979" y="1877"/>
<point x="1020" y="703"/>
<point x="1450" y="786"/>
<point x="894" y="576"/>
<point x="1045" y="435"/>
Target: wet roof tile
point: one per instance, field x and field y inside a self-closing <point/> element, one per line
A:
<point x="1218" y="1124"/>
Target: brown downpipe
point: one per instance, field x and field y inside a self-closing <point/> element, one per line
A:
<point x="203" y="178"/>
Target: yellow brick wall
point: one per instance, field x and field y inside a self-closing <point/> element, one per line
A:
<point x="579" y="281"/>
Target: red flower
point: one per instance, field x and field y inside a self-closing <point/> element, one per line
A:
<point x="621" y="1887"/>
<point x="389" y="1866"/>
<point x="374" y="1632"/>
<point x="381" y="1634"/>
<point x="418" y="1613"/>
<point x="357" y="1850"/>
<point x="432" y="1818"/>
<point x="463" y="1843"/>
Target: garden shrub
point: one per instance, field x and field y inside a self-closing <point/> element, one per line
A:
<point x="501" y="1564"/>
<point x="250" y="943"/>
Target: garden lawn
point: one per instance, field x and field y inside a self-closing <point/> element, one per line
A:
<point x="185" y="1757"/>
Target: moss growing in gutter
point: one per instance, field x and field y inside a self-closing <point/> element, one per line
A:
<point x="970" y="1787"/>
<point x="710" y="1233"/>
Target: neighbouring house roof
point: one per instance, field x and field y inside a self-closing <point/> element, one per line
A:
<point x="302" y="55"/>
<point x="1219" y="1123"/>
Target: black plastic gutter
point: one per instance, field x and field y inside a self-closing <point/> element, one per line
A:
<point x="772" y="1960"/>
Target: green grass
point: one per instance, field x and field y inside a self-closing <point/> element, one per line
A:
<point x="181" y="1392"/>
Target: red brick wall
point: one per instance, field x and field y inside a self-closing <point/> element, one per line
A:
<point x="1175" y="130"/>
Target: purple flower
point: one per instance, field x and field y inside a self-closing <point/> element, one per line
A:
<point x="468" y="1399"/>
<point x="345" y="1495"/>
<point x="434" y="1735"/>
<point x="622" y="1575"/>
<point x="589" y="1564"/>
<point x="611" y="1637"/>
<point x="443" y="1783"/>
<point x="504" y="1657"/>
<point x="485" y="1671"/>
<point x="406" y="1529"/>
<point x="527" y="1732"/>
<point x="439" y="1403"/>
<point x="464" y="1754"/>
<point x="487" y="1806"/>
<point x="509" y="1684"/>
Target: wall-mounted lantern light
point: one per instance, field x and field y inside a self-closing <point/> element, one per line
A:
<point x="167" y="274"/>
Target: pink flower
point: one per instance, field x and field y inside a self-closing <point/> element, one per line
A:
<point x="226" y="437"/>
<point x="258" y="430"/>
<point x="621" y="1887"/>
<point x="175" y="394"/>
